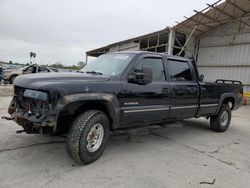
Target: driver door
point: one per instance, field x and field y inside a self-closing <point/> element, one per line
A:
<point x="146" y="103"/>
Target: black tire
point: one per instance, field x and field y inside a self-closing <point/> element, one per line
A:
<point x="76" y="143"/>
<point x="12" y="78"/>
<point x="216" y="122"/>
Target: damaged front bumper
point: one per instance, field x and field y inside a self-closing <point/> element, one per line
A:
<point x="33" y="115"/>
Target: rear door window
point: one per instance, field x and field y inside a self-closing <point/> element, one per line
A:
<point x="179" y="71"/>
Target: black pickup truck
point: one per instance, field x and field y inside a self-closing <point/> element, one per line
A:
<point x="117" y="91"/>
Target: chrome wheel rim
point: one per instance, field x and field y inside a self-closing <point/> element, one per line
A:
<point x="95" y="137"/>
<point x="224" y="118"/>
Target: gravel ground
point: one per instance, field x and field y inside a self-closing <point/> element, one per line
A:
<point x="6" y="90"/>
<point x="186" y="154"/>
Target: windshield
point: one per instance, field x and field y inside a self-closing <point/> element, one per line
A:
<point x="108" y="64"/>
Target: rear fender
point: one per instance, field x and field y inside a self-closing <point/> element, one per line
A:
<point x="222" y="99"/>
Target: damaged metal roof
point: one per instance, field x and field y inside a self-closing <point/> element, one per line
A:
<point x="214" y="15"/>
<point x="105" y="49"/>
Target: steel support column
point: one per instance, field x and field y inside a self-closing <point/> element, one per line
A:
<point x="86" y="59"/>
<point x="171" y="37"/>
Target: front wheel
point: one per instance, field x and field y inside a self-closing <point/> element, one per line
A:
<point x="221" y="121"/>
<point x="88" y="137"/>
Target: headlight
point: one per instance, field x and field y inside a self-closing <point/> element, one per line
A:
<point x="39" y="95"/>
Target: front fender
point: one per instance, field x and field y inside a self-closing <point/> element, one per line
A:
<point x="110" y="101"/>
<point x="91" y="96"/>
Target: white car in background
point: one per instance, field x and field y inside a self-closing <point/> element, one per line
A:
<point x="10" y="75"/>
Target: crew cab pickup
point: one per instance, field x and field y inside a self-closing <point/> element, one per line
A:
<point x="116" y="91"/>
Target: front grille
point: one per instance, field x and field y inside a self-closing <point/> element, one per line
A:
<point x="33" y="106"/>
<point x="30" y="105"/>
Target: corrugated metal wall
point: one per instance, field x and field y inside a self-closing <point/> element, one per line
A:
<point x="190" y="48"/>
<point x="231" y="73"/>
<point x="225" y="53"/>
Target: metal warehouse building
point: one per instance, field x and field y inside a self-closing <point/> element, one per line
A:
<point x="218" y="37"/>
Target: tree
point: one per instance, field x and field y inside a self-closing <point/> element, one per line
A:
<point x="58" y="65"/>
<point x="80" y="64"/>
<point x="10" y="62"/>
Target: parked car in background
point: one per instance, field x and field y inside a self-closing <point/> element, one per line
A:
<point x="10" y="75"/>
<point x="11" y="66"/>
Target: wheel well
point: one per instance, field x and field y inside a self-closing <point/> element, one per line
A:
<point x="230" y="101"/>
<point x="14" y="75"/>
<point x="74" y="109"/>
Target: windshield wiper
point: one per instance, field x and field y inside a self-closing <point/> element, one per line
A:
<point x="94" y="72"/>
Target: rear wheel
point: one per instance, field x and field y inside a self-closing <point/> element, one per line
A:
<point x="221" y="121"/>
<point x="88" y="137"/>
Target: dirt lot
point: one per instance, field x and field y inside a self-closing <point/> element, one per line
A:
<point x="182" y="155"/>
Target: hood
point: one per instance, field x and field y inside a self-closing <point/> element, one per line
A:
<point x="57" y="81"/>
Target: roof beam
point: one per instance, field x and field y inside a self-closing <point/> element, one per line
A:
<point x="227" y="14"/>
<point x="212" y="22"/>
<point x="218" y="21"/>
<point x="199" y="22"/>
<point x="220" y="10"/>
<point x="206" y="16"/>
<point x="222" y="20"/>
<point x="236" y="6"/>
<point x="244" y="23"/>
<point x="191" y="27"/>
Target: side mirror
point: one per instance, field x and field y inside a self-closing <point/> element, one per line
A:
<point x="141" y="76"/>
<point x="201" y="77"/>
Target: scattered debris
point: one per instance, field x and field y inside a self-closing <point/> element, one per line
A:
<point x="209" y="183"/>
<point x="227" y="162"/>
<point x="215" y="151"/>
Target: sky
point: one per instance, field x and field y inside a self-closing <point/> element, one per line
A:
<point x="63" y="30"/>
